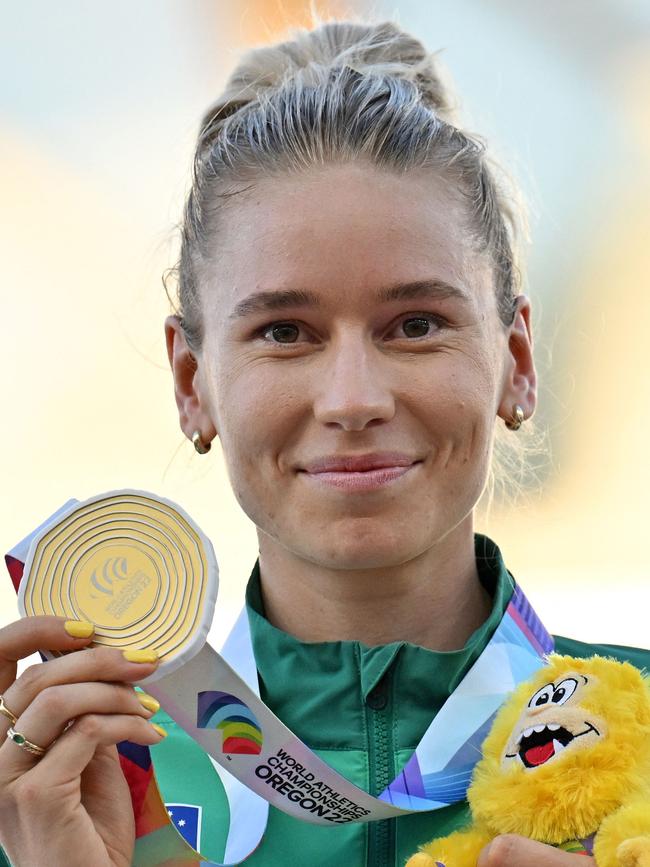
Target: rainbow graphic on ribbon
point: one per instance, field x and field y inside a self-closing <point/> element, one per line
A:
<point x="239" y="728"/>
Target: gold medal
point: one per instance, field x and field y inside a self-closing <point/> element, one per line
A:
<point x="133" y="564"/>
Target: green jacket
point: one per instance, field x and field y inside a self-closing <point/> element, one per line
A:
<point x="362" y="709"/>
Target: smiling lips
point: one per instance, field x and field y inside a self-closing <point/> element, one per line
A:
<point x="358" y="463"/>
<point x="359" y="472"/>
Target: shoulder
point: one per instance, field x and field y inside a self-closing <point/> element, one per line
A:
<point x="637" y="656"/>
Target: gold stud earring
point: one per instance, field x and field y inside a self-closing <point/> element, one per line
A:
<point x="201" y="447"/>
<point x="517" y="419"/>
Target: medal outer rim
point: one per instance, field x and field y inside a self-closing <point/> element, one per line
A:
<point x="212" y="581"/>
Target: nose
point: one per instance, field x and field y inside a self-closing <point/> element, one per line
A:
<point x="354" y="392"/>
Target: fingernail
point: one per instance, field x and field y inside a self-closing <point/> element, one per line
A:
<point x="79" y="628"/>
<point x="148" y="702"/>
<point x="140" y="655"/>
<point x="159" y="730"/>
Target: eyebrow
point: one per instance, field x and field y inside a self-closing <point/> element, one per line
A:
<point x="280" y="299"/>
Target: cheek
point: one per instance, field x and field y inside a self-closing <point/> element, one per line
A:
<point x="458" y="409"/>
<point x="252" y="400"/>
<point x="260" y="418"/>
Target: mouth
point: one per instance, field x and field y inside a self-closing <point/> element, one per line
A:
<point x="540" y="744"/>
<point x="359" y="463"/>
<point x="364" y="481"/>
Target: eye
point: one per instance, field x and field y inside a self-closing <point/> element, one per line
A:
<point x="542" y="696"/>
<point x="282" y="332"/>
<point x="412" y="327"/>
<point x="563" y="691"/>
<point x="419" y="326"/>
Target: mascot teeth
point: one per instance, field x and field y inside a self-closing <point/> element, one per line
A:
<point x="537" y="744"/>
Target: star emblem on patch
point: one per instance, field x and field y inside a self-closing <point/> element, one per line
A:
<point x="186" y="818"/>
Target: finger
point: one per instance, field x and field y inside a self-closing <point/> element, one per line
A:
<point x="51" y="711"/>
<point x="68" y="757"/>
<point x="21" y="638"/>
<point x="94" y="664"/>
<point x="511" y="850"/>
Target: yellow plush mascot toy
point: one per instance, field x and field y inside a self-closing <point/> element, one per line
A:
<point x="567" y="762"/>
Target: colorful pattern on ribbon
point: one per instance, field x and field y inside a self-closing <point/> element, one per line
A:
<point x="237" y="722"/>
<point x="442" y="776"/>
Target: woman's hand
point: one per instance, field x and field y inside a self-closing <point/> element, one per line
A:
<point x="72" y="805"/>
<point x="511" y="850"/>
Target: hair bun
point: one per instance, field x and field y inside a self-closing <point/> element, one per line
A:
<point x="371" y="49"/>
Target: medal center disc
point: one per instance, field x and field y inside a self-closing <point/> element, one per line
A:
<point x="115" y="585"/>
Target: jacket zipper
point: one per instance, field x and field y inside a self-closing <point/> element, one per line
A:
<point x="381" y="834"/>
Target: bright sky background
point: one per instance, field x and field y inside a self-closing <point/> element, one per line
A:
<point x="99" y="105"/>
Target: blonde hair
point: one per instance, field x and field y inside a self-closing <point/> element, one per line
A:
<point x="345" y="91"/>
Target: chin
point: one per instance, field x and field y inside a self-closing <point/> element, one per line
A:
<point x="355" y="547"/>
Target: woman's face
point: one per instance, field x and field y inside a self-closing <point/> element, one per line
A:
<point x="349" y="325"/>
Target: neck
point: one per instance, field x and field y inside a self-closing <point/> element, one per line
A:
<point x="435" y="600"/>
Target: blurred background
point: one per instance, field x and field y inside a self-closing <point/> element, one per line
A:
<point x="99" y="106"/>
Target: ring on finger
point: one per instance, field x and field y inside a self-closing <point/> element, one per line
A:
<point x="4" y="710"/>
<point x="21" y="741"/>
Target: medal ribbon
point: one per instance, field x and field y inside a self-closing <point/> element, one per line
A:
<point x="261" y="762"/>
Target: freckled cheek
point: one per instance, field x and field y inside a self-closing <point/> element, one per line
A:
<point x="453" y="412"/>
<point x="458" y="421"/>
<point x="259" y="420"/>
<point x="254" y="474"/>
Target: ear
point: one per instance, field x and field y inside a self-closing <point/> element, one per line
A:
<point x="520" y="377"/>
<point x="193" y="409"/>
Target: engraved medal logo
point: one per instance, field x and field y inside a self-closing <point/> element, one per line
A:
<point x="116" y="584"/>
<point x="115" y="569"/>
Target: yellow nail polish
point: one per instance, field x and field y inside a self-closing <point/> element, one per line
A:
<point x="148" y="702"/>
<point x="159" y="729"/>
<point x="79" y="628"/>
<point x="140" y="655"/>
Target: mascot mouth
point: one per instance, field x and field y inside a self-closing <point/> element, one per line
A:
<point x="539" y="744"/>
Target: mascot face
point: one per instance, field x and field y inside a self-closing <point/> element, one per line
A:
<point x="553" y="721"/>
<point x="577" y="733"/>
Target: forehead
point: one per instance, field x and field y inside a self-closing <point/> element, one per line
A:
<point x="344" y="229"/>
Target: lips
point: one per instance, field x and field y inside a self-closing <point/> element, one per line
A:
<point x="358" y="463"/>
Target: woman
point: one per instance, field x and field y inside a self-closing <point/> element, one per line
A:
<point x="349" y="326"/>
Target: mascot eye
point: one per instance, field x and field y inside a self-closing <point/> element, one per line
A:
<point x="542" y="696"/>
<point x="563" y="691"/>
